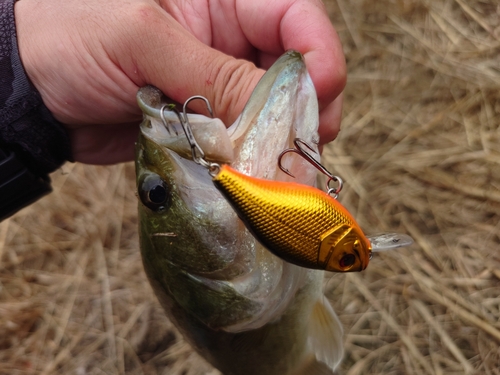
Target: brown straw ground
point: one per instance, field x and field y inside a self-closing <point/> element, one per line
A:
<point x="419" y="153"/>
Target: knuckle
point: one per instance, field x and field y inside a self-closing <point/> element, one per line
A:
<point x="143" y="15"/>
<point x="232" y="84"/>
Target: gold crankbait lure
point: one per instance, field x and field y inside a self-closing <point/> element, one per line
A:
<point x="298" y="223"/>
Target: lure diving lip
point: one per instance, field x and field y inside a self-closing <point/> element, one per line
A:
<point x="389" y="241"/>
<point x="298" y="223"/>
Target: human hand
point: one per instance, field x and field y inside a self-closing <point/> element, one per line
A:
<point x="88" y="59"/>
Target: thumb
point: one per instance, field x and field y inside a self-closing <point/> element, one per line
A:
<point x="181" y="66"/>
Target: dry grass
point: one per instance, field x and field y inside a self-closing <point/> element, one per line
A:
<point x="420" y="153"/>
<point x="420" y="150"/>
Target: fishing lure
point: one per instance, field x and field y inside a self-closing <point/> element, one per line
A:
<point x="298" y="223"/>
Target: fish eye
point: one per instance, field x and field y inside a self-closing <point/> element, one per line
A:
<point x="347" y="261"/>
<point x="154" y="192"/>
<point x="158" y="194"/>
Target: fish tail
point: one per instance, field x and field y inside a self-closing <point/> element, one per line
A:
<point x="325" y="341"/>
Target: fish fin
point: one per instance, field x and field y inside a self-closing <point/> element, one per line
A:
<point x="249" y="340"/>
<point x="311" y="366"/>
<point x="325" y="335"/>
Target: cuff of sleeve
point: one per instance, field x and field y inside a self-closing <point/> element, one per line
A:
<point x="18" y="186"/>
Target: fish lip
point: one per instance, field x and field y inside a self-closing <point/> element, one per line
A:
<point x="219" y="144"/>
<point x="282" y="107"/>
<point x="288" y="61"/>
<point x="289" y="70"/>
<point x="151" y="99"/>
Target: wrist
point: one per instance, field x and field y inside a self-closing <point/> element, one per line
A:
<point x="32" y="142"/>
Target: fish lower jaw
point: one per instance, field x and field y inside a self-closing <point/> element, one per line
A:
<point x="270" y="290"/>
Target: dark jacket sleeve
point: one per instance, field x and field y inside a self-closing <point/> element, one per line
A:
<point x="26" y="126"/>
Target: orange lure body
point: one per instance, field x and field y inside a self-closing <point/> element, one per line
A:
<point x="298" y="223"/>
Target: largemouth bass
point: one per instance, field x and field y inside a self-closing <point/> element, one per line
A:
<point x="243" y="309"/>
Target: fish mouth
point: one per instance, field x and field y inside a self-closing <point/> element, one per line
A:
<point x="282" y="107"/>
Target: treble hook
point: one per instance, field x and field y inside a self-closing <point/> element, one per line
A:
<point x="299" y="150"/>
<point x="164" y="120"/>
<point x="209" y="107"/>
<point x="196" y="150"/>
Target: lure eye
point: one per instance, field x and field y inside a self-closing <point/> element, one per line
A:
<point x="347" y="261"/>
<point x="154" y="192"/>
